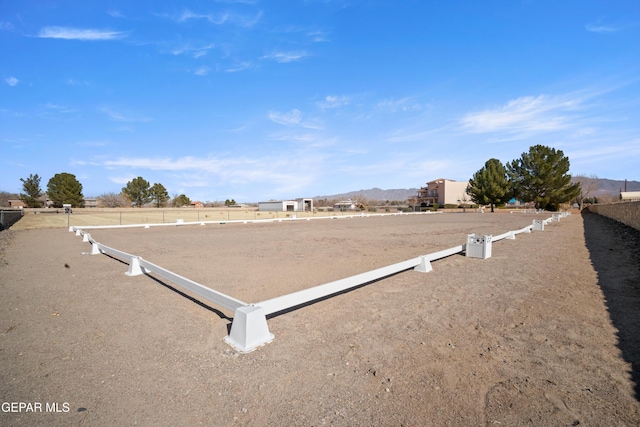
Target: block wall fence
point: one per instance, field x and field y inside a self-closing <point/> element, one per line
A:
<point x="626" y="212"/>
<point x="9" y="217"/>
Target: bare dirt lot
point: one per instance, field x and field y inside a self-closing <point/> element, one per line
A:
<point x="545" y="332"/>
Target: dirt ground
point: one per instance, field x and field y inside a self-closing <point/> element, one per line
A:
<point x="544" y="333"/>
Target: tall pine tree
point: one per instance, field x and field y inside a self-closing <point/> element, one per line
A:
<point x="65" y="188"/>
<point x="138" y="191"/>
<point x="541" y="176"/>
<point x="32" y="191"/>
<point x="490" y="186"/>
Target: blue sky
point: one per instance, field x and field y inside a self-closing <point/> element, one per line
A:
<point x="256" y="100"/>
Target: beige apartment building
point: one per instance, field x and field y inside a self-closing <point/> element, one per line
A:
<point x="443" y="192"/>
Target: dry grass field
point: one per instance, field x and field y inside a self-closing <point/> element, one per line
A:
<point x="94" y="217"/>
<point x="544" y="333"/>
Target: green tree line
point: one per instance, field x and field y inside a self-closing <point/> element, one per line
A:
<point x="539" y="176"/>
<point x="64" y="188"/>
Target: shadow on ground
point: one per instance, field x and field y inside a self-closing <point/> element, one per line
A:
<point x="614" y="249"/>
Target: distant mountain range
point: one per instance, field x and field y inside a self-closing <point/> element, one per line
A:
<point x="613" y="188"/>
<point x="608" y="187"/>
<point x="374" y="194"/>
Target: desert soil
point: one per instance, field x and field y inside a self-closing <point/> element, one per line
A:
<point x="544" y="333"/>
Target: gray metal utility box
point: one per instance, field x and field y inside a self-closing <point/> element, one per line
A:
<point x="478" y="246"/>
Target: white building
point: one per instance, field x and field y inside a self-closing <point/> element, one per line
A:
<point x="632" y="196"/>
<point x="346" y="205"/>
<point x="298" y="205"/>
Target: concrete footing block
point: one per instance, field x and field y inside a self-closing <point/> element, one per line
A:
<point x="424" y="266"/>
<point x="95" y="250"/>
<point x="134" y="267"/>
<point x="249" y="329"/>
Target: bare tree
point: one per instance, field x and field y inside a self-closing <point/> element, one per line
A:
<point x="361" y="201"/>
<point x="114" y="200"/>
<point x="589" y="185"/>
<point x="607" y="198"/>
<point x="464" y="201"/>
<point x="5" y="197"/>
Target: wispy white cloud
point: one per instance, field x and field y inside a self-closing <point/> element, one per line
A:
<point x="74" y="82"/>
<point x="619" y="150"/>
<point x="114" y="13"/>
<point x="303" y="33"/>
<point x="220" y="18"/>
<point x="525" y="116"/>
<point x="7" y="26"/>
<point x="408" y="135"/>
<point x="413" y="165"/>
<point x="195" y="51"/>
<point x="402" y="104"/>
<point x="304" y="139"/>
<point x="334" y="101"/>
<point x="627" y="148"/>
<point x="122" y="179"/>
<point x="247" y="21"/>
<point x="293" y="118"/>
<point x="217" y="19"/>
<point x="286" y="173"/>
<point x="249" y="2"/>
<point x="240" y="66"/>
<point x="69" y="33"/>
<point x="598" y="28"/>
<point x="93" y="143"/>
<point x="285" y="57"/>
<point x="120" y="117"/>
<point x="201" y="71"/>
<point x="318" y="36"/>
<point x="60" y="108"/>
<point x="124" y="129"/>
<point x="11" y="81"/>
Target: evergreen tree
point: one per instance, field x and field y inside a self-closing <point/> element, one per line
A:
<point x="159" y="195"/>
<point x="490" y="185"/>
<point x="64" y="188"/>
<point x="137" y="190"/>
<point x="32" y="191"/>
<point x="181" y="200"/>
<point x="541" y="176"/>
